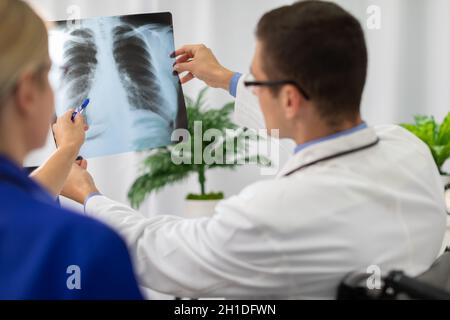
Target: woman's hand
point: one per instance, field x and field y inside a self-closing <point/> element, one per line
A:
<point x="70" y="135"/>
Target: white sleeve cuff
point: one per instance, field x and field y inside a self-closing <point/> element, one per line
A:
<point x="89" y="197"/>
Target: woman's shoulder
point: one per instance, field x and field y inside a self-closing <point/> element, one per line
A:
<point x="75" y="222"/>
<point x="32" y="216"/>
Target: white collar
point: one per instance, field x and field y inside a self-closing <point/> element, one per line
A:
<point x="329" y="148"/>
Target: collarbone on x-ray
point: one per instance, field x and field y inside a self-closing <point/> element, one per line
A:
<point x="123" y="65"/>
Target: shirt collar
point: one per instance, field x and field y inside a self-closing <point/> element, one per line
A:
<point x="19" y="177"/>
<point x="329" y="148"/>
<point x="302" y="146"/>
<point x="7" y="165"/>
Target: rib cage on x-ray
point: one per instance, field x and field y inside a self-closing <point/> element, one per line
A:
<point x="134" y="63"/>
<point x="123" y="65"/>
<point x="79" y="66"/>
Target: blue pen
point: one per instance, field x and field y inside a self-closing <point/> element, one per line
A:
<point x="80" y="109"/>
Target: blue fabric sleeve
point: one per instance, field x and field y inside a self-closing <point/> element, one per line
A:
<point x="234" y="83"/>
<point x="110" y="259"/>
<point x="108" y="273"/>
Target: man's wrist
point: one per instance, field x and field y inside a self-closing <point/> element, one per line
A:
<point x="79" y="193"/>
<point x="89" y="196"/>
<point x="88" y="193"/>
<point x="225" y="78"/>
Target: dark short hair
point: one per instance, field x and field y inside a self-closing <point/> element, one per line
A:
<point x="321" y="47"/>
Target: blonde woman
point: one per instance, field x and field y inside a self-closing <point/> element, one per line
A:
<point x="46" y="252"/>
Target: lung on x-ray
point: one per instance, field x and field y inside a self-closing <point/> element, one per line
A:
<point x="123" y="65"/>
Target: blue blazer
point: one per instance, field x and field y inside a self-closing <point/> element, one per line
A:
<point x="47" y="252"/>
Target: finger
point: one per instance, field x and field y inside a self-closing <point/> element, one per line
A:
<point x="79" y="120"/>
<point x="187" y="78"/>
<point x="188" y="49"/>
<point x="182" y="58"/>
<point x="80" y="161"/>
<point x="67" y="115"/>
<point x="183" y="50"/>
<point x="183" y="67"/>
<point x="84" y="164"/>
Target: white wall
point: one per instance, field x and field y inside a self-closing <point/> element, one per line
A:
<point x="408" y="74"/>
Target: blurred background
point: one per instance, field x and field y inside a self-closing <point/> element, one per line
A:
<point x="409" y="71"/>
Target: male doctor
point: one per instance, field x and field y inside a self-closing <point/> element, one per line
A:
<point x="351" y="197"/>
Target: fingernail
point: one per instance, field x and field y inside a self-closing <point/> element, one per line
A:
<point x="173" y="65"/>
<point x="172" y="55"/>
<point x="175" y="73"/>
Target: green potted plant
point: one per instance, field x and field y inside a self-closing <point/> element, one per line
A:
<point x="162" y="167"/>
<point x="437" y="137"/>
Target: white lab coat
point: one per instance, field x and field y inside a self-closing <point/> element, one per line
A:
<point x="297" y="236"/>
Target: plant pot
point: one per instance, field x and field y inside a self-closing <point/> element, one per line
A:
<point x="446" y="182"/>
<point x="199" y="208"/>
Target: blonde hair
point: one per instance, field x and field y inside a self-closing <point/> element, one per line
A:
<point x="23" y="43"/>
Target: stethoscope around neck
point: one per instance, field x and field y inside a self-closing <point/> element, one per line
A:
<point x="333" y="156"/>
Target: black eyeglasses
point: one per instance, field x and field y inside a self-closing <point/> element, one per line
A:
<point x="254" y="83"/>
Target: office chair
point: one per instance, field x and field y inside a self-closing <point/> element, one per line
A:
<point x="433" y="284"/>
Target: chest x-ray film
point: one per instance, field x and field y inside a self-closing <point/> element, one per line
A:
<point x="123" y="65"/>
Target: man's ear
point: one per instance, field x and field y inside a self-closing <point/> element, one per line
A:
<point x="25" y="94"/>
<point x="291" y="101"/>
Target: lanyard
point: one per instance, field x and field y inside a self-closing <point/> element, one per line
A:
<point x="333" y="156"/>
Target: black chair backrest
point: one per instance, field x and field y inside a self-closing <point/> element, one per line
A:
<point x="432" y="284"/>
<point x="438" y="275"/>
